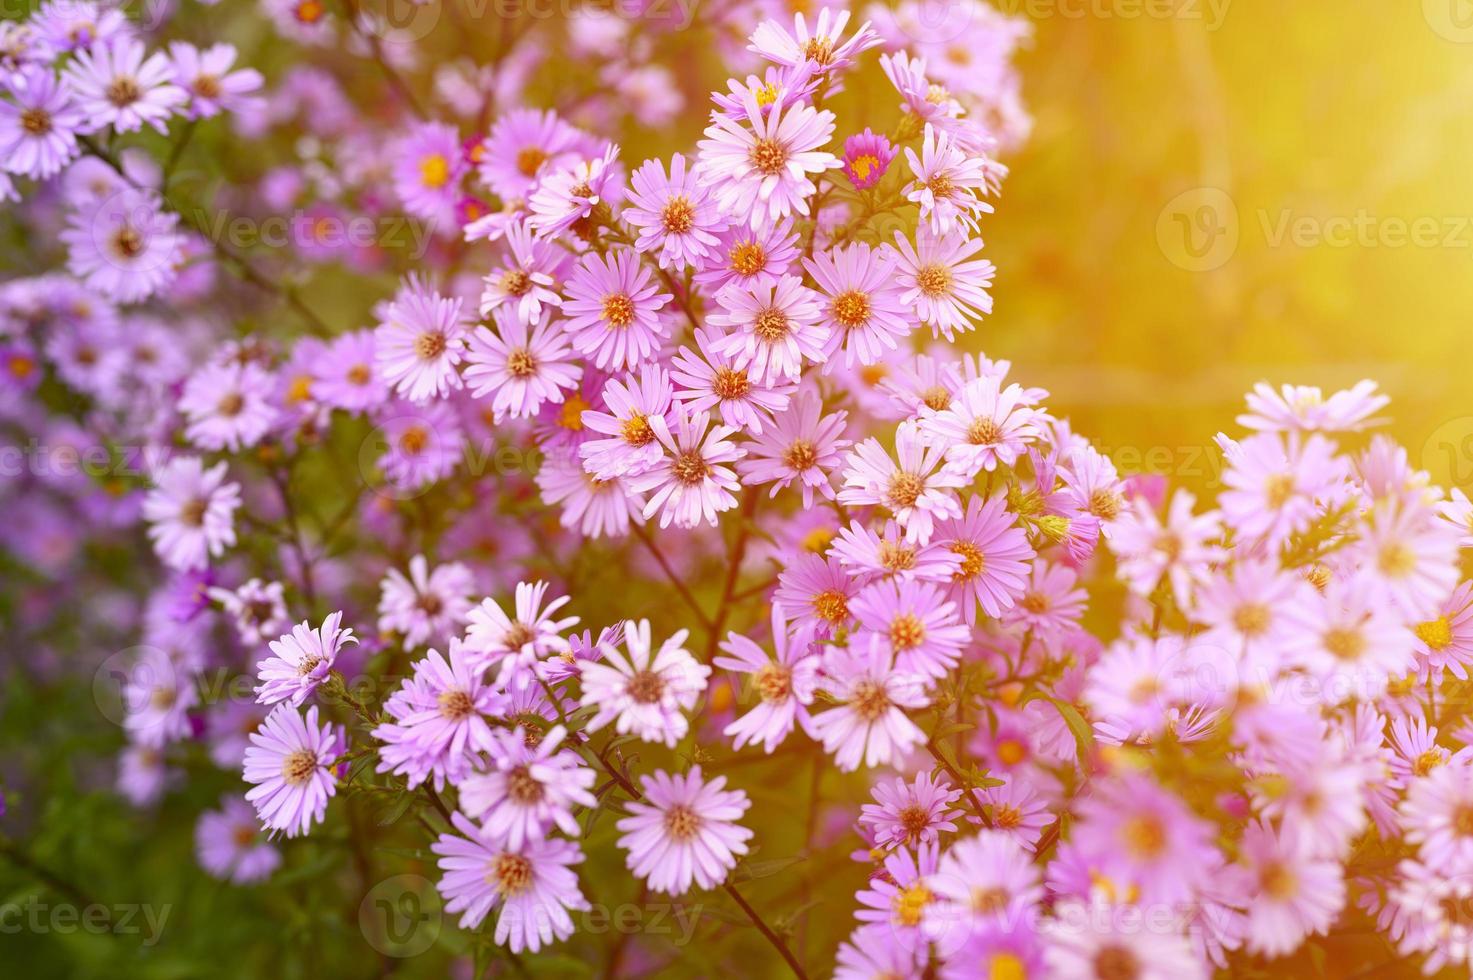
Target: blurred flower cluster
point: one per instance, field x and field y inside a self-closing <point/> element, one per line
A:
<point x="644" y="492"/>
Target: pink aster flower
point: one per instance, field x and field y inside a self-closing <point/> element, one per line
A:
<point x="303" y="659"/>
<point x="613" y="309"/>
<point x="822" y="47"/>
<point x="947" y="182"/>
<point x="782" y="683"/>
<point x="815" y="591"/>
<point x="1445" y="642"/>
<point x="228" y="844"/>
<point x="289" y="761"/>
<point x="257" y="608"/>
<point x="760" y="171"/>
<point x="347" y="376"/>
<point x="1274" y="488"/>
<point x="531" y="789"/>
<point x="517" y="641"/>
<point x="1144" y="840"/>
<point x="644" y="693"/>
<point x="530" y="272"/>
<point x="534" y="885"/>
<point x="867" y="554"/>
<point x="684" y="831"/>
<point x="567" y="198"/>
<point x="426" y="605"/>
<point x="1295" y="896"/>
<point x="1348" y="639"/>
<point x="922" y="98"/>
<point x="869" y="724"/>
<point x="1301" y="408"/>
<point x="1245" y="611"/>
<point x="157" y="697"/>
<point x="521" y="366"/>
<point x="751" y="257"/>
<point x="779" y="87"/>
<point x="676" y="215"/>
<point x="1017" y="810"/>
<point x="115" y="85"/>
<point x="420" y="340"/>
<point x="1050" y="604"/>
<point x="1409" y="557"/>
<point x="428" y="165"/>
<point x="38" y="131"/>
<point x="1178" y="548"/>
<point x="631" y="447"/>
<point x="525" y="144"/>
<point x="692" y="481"/>
<point x="207" y="78"/>
<point x="422" y="443"/>
<point x="1096" y="941"/>
<point x="862" y="306"/>
<point x="985" y="426"/>
<point x="228" y="406"/>
<point x="915" y="621"/>
<point x="914" y="489"/>
<point x="595" y="508"/>
<point x="191" y="512"/>
<point x="1437" y="813"/>
<point x="867" y="157"/>
<point x="1429" y="909"/>
<point x="771" y="332"/>
<point x="439" y="719"/>
<point x="125" y="246"/>
<point x="906" y="814"/>
<point x="941" y="279"/>
<point x="985" y="882"/>
<point x="76" y="25"/>
<point x="711" y="380"/>
<point x="800" y="444"/>
<point x="993" y="555"/>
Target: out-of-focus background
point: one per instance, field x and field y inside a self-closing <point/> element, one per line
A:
<point x="1217" y="193"/>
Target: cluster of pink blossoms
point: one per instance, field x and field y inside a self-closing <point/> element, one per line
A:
<point x="710" y="397"/>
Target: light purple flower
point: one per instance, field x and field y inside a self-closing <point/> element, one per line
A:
<point x="289" y="762"/>
<point x="684" y="831"/>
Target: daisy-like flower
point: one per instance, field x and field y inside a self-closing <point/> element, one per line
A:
<point x="427" y="605"/>
<point x="782" y="683"/>
<point x="1302" y="408"/>
<point x="1349" y="639"/>
<point x="157" y="696"/>
<point x="428" y="165"/>
<point x="531" y="789"/>
<point x="115" y="85"/>
<point x="867" y="158"/>
<point x="518" y="641"/>
<point x="1050" y="604"/>
<point x="915" y="621"/>
<point x="675" y="215"/>
<point x="572" y="198"/>
<point x="258" y="609"/>
<point x="760" y="171"/>
<point x="922" y="98"/>
<point x="534" y="885"/>
<point x="771" y="332"/>
<point x="420" y="340"/>
<point x="751" y="257"/>
<point x="191" y="512"/>
<point x="422" y="443"/>
<point x="212" y="86"/>
<point x="862" y="307"/>
<point x="993" y="555"/>
<point x="816" y="591"/>
<point x="907" y="814"/>
<point x="692" y="481"/>
<point x="869" y="725"/>
<point x="613" y="309"/>
<point x="38" y="131"/>
<point x="1428" y="904"/>
<point x="1410" y="557"/>
<point x="1245" y="610"/>
<point x="1017" y="810"/>
<point x="1137" y="682"/>
<point x="641" y="693"/>
<point x="868" y="555"/>
<point x="780" y="86"/>
<point x="289" y="764"/>
<point x="983" y="882"/>
<point x="1438" y="817"/>
<point x="947" y="182"/>
<point x="799" y="444"/>
<point x="228" y="844"/>
<point x="984" y="427"/>
<point x="947" y="287"/>
<point x="304" y="21"/>
<point x="228" y="405"/>
<point x="1445" y="642"/>
<point x="125" y="246"/>
<point x="823" y="47"/>
<point x="1144" y="840"/>
<point x="595" y="508"/>
<point x="1103" y="942"/>
<point x="1177" y="548"/>
<point x="303" y="659"/>
<point x="1273" y="488"/>
<point x="531" y="270"/>
<point x="899" y="899"/>
<point x="523" y="145"/>
<point x="684" y="831"/>
<point x="711" y="380"/>
<point x="521" y="366"/>
<point x="76" y="25"/>
<point x="1296" y="895"/>
<point x="871" y="953"/>
<point x="631" y="447"/>
<point x="915" y="489"/>
<point x="440" y="719"/>
<point x="347" y="376"/>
